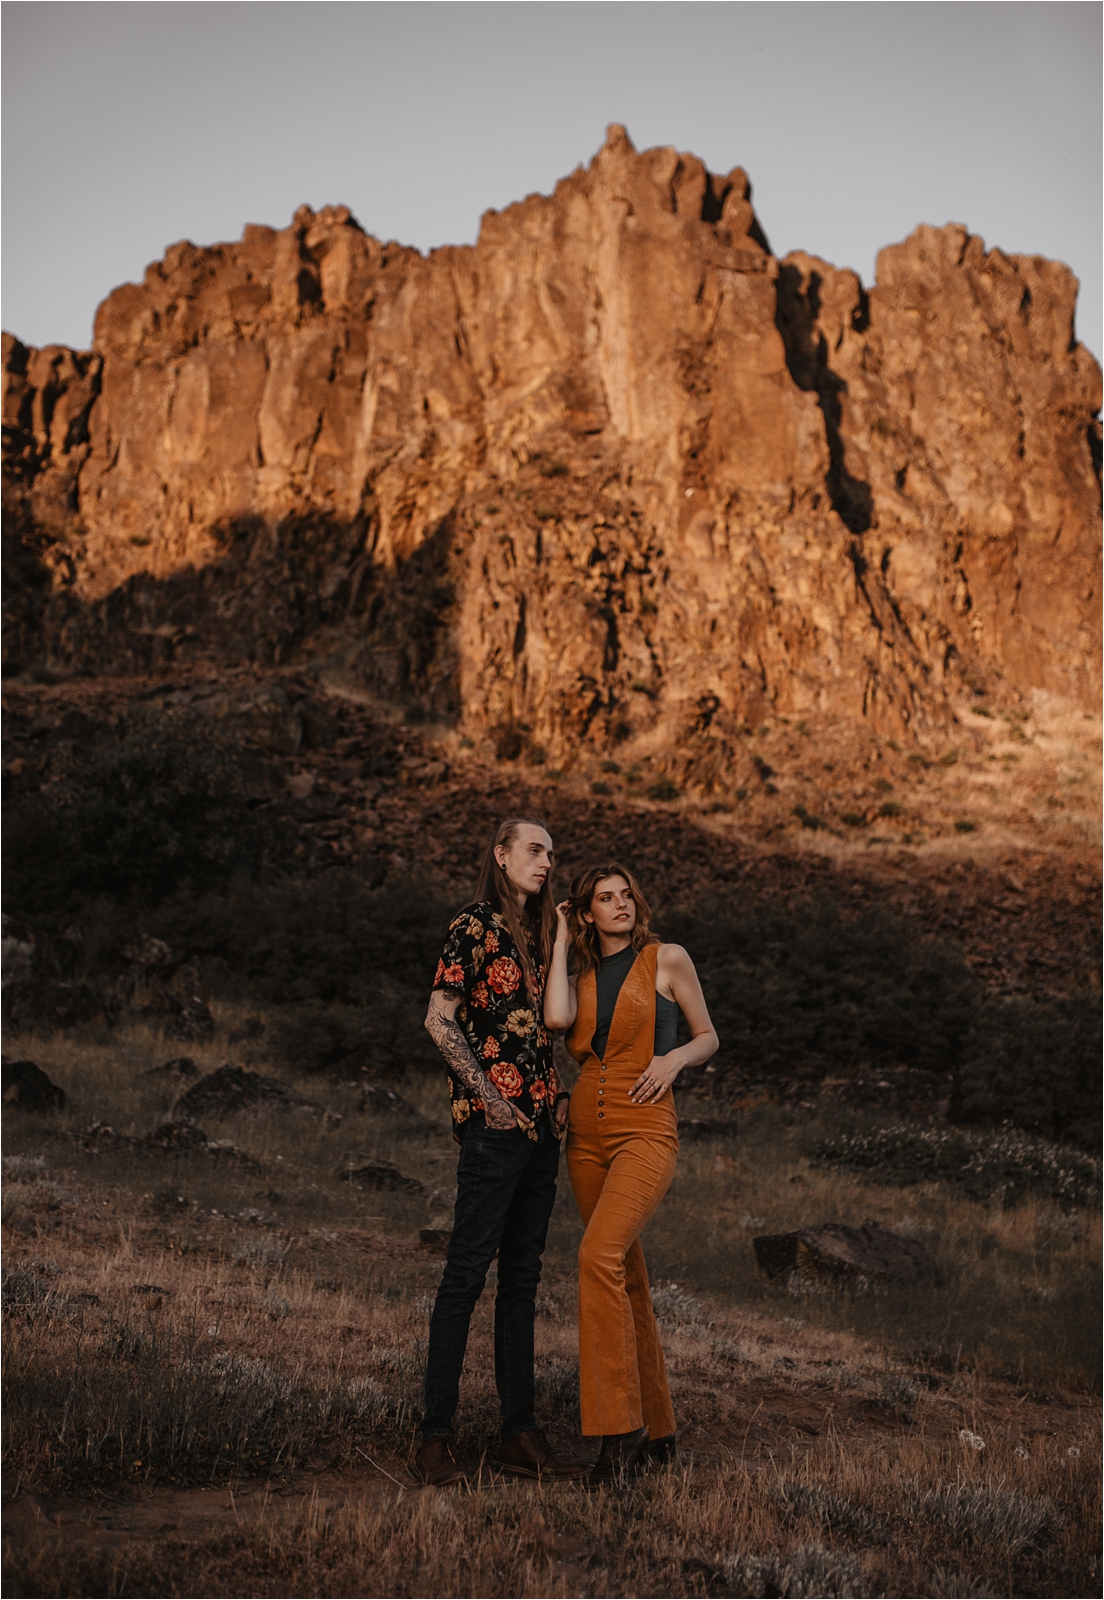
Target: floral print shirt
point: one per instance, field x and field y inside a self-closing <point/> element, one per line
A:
<point x="504" y="1028"/>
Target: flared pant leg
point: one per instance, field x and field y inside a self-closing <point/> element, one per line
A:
<point x="622" y="1375"/>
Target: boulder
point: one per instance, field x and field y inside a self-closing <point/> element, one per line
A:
<point x="233" y="1089"/>
<point x="193" y="1021"/>
<point x="102" y="1136"/>
<point x="227" y="1150"/>
<point x="833" y="1250"/>
<point x="383" y="1175"/>
<point x="182" y="1067"/>
<point x="27" y="1087"/>
<point x="51" y="1003"/>
<point x="435" y="1239"/>
<point x="146" y="951"/>
<point x="19" y="947"/>
<point x="180" y="1135"/>
<point x="376" y="1097"/>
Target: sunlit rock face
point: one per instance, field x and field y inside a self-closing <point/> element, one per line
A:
<point x="615" y="478"/>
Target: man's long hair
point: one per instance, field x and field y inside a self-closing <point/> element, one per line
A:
<point x="586" y="951"/>
<point x="534" y="930"/>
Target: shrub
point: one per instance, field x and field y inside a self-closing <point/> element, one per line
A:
<point x="663" y="789"/>
<point x="161" y="1405"/>
<point x="981" y="1164"/>
<point x="161" y="808"/>
<point x="675" y="1309"/>
<point x="1036" y="1064"/>
<point x="343" y="970"/>
<point x="986" y="1515"/>
<point x="803" y="990"/>
<point x="807" y="1571"/>
<point x="813" y="1503"/>
<point x="807" y="819"/>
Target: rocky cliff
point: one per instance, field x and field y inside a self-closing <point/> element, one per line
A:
<point x="614" y="479"/>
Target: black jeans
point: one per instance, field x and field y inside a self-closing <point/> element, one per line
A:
<point x="505" y="1190"/>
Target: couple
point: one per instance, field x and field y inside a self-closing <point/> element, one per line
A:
<point x="502" y="986"/>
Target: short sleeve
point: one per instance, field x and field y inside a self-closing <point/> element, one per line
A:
<point x="463" y="957"/>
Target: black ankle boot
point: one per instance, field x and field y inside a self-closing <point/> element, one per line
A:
<point x="661" y="1451"/>
<point x="619" y="1456"/>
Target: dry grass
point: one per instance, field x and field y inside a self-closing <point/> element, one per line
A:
<point x="213" y="1375"/>
<point x="716" y="1529"/>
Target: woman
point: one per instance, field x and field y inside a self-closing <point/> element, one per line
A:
<point x="621" y="1006"/>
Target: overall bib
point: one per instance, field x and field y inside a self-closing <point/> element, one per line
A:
<point x="620" y="1159"/>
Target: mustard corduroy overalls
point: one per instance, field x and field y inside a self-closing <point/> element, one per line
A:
<point x="621" y="1159"/>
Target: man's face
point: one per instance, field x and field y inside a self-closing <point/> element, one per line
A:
<point x="527" y="860"/>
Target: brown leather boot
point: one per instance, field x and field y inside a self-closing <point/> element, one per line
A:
<point x="435" y="1464"/>
<point x="619" y="1457"/>
<point x="529" y="1455"/>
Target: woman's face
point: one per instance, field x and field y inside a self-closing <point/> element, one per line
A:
<point x="612" y="907"/>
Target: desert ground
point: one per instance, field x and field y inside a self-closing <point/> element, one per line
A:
<point x="216" y="1317"/>
<point x="215" y="1353"/>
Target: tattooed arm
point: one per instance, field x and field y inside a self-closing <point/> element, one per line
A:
<point x="448" y="1036"/>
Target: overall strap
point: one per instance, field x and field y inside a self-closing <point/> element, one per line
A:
<point x="586" y="1016"/>
<point x="632" y="1032"/>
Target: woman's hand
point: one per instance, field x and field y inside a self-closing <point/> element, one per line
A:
<point x="562" y="1105"/>
<point x="560" y="1002"/>
<point x="654" y="1084"/>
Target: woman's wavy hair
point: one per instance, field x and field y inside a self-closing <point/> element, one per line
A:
<point x="586" y="952"/>
<point x="535" y="929"/>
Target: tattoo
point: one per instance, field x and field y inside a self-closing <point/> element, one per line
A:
<point x="448" y="1036"/>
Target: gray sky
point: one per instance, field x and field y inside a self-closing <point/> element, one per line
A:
<point x="128" y="126"/>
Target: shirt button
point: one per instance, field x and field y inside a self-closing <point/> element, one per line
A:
<point x="601" y="1113"/>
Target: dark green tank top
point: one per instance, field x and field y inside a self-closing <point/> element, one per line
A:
<point x="611" y="974"/>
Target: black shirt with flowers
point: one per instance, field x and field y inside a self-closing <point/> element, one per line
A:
<point x="502" y="1023"/>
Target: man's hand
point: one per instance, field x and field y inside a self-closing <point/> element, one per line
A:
<point x="501" y="1114"/>
<point x="563" y="1106"/>
<point x="448" y="1036"/>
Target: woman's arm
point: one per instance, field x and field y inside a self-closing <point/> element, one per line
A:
<point x="676" y="971"/>
<point x="560" y="1001"/>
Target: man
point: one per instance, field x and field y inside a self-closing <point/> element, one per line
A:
<point x="509" y="1113"/>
